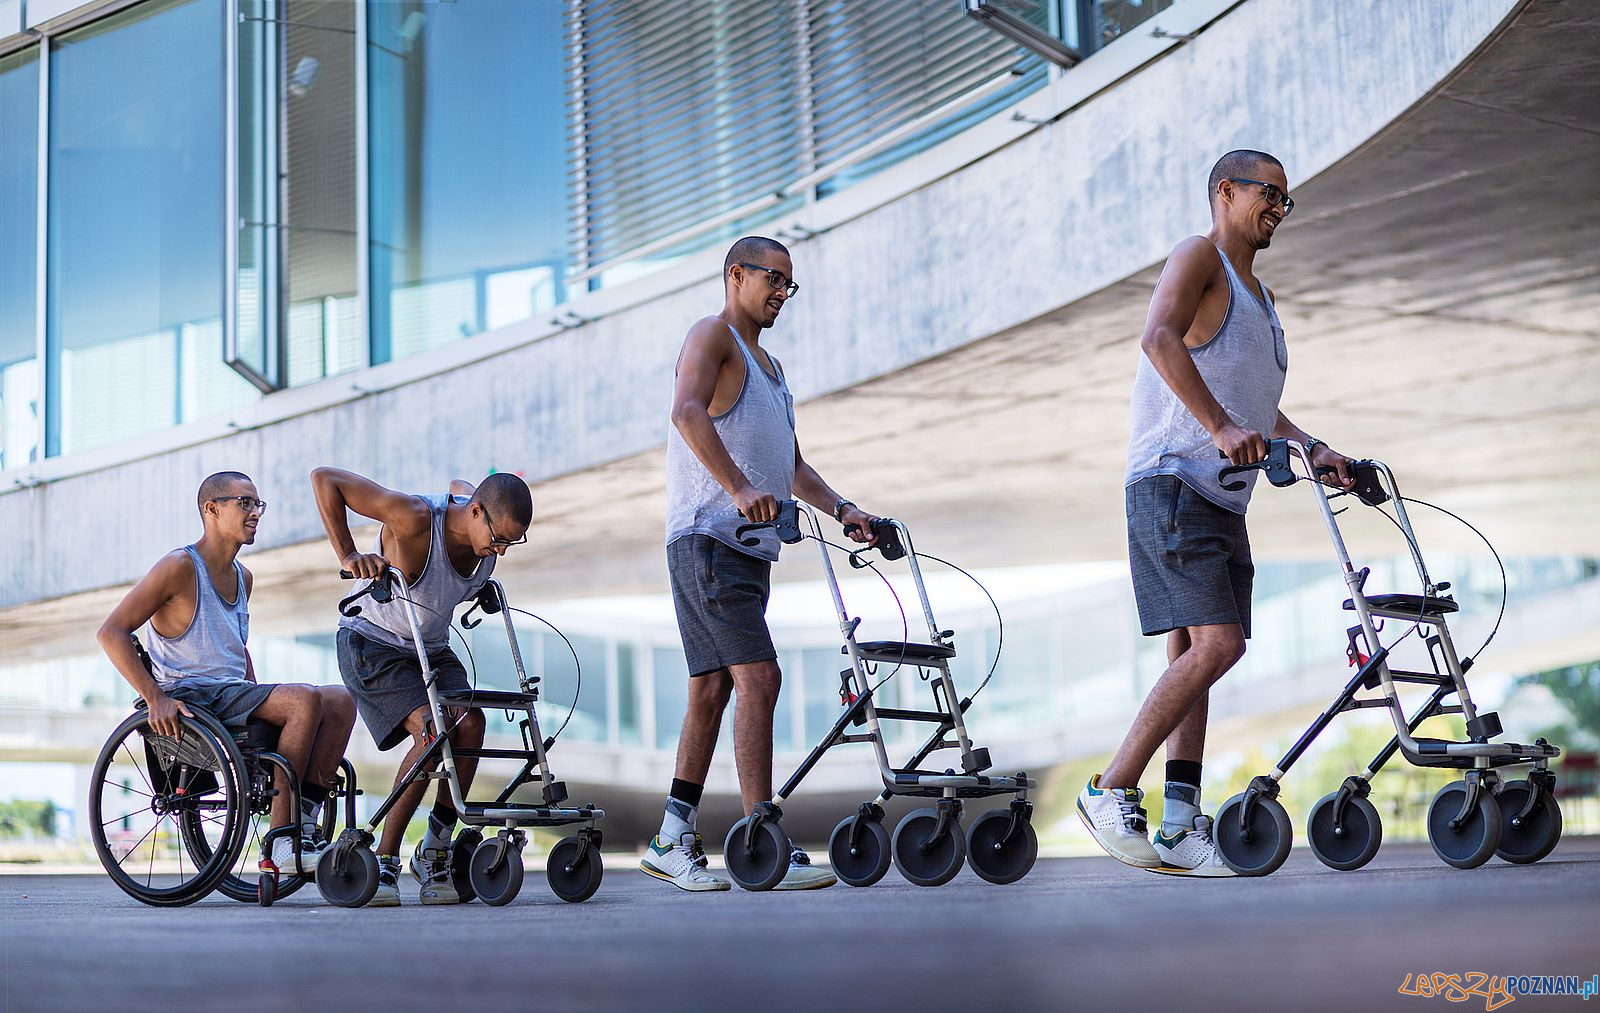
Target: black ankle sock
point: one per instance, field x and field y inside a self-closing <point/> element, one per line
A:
<point x="445" y="817"/>
<point x="1184" y="771"/>
<point x="686" y="792"/>
<point x="313" y="792"/>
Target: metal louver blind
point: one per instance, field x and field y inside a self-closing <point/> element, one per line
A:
<point x="687" y="113"/>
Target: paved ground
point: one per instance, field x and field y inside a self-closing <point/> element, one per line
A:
<point x="1076" y="934"/>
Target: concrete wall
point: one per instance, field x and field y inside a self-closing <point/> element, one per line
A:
<point x="1058" y="213"/>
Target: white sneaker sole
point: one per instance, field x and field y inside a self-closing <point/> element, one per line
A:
<point x="1153" y="861"/>
<point x="715" y="886"/>
<point x="379" y="900"/>
<point x="819" y="883"/>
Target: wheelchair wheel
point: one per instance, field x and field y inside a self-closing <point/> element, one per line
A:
<point x="1353" y="843"/>
<point x="993" y="856"/>
<point x="573" y="879"/>
<point x="925" y="862"/>
<point x="866" y="862"/>
<point x="1470" y="846"/>
<point x="497" y="886"/>
<point x="761" y="866"/>
<point x="145" y="787"/>
<point x="1535" y="837"/>
<point x="347" y="874"/>
<point x="461" y="852"/>
<point x="1270" y="835"/>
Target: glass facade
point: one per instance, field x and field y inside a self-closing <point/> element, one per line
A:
<point x="19" y="216"/>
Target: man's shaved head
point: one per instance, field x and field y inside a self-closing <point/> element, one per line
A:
<point x="1240" y="163"/>
<point x="751" y="249"/>
<point x="219" y="484"/>
<point x="505" y="495"/>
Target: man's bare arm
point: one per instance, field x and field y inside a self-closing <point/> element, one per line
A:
<point x="809" y="486"/>
<point x="1183" y="283"/>
<point x="336" y="489"/>
<point x="166" y="580"/>
<point x="1323" y="456"/>
<point x="706" y="348"/>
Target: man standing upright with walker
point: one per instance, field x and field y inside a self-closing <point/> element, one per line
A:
<point x="1207" y="388"/>
<point x="731" y="456"/>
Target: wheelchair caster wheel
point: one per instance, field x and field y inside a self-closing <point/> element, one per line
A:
<point x="1269" y="836"/>
<point x="267" y="887"/>
<point x="923" y="860"/>
<point x="993" y="855"/>
<point x="573" y="878"/>
<point x="348" y="877"/>
<point x="1353" y="843"/>
<point x="461" y="852"/>
<point x="496" y="871"/>
<point x="865" y="862"/>
<point x="1476" y="840"/>
<point x="761" y="863"/>
<point x="1535" y="836"/>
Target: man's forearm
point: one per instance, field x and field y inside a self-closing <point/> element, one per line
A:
<point x="1286" y="430"/>
<point x="331" y="506"/>
<point x="809" y="486"/>
<point x="118" y="646"/>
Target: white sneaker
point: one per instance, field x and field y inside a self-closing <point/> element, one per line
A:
<point x="1191" y="852"/>
<point x="682" y="864"/>
<point x="1116" y="820"/>
<point x="282" y="854"/>
<point x="388" y="894"/>
<point x="802" y="875"/>
<point x="431" y="867"/>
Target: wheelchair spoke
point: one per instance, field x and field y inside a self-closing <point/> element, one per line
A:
<point x="140" y="841"/>
<point x="142" y="775"/>
<point x="124" y="816"/>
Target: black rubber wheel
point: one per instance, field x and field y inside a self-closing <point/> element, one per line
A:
<point x="349" y="882"/>
<point x="574" y="882"/>
<point x="1539" y="831"/>
<point x="502" y="885"/>
<point x="461" y="852"/>
<point x="1271" y="834"/>
<point x="1475" y="842"/>
<point x="266" y="889"/>
<point x="938" y="864"/>
<point x="1362" y="836"/>
<point x="144" y="788"/>
<point x="764" y="865"/>
<point x="993" y="857"/>
<point x="864" y="864"/>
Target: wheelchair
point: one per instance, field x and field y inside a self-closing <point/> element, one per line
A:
<point x="174" y="819"/>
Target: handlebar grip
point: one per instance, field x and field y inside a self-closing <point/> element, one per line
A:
<point x="381" y="590"/>
<point x="346" y="575"/>
<point x="1275" y="464"/>
<point x="787" y="525"/>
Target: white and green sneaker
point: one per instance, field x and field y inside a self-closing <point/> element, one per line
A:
<point x="431" y="867"/>
<point x="1191" y="852"/>
<point x="683" y="864"/>
<point x="802" y="875"/>
<point x="1117" y="821"/>
<point x="388" y="894"/>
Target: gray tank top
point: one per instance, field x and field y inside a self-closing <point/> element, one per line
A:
<point x="1244" y="364"/>
<point x="759" y="434"/>
<point x="212" y="646"/>
<point x="437" y="592"/>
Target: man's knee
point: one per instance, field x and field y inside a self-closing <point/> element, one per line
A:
<point x="337" y="704"/>
<point x="469" y="727"/>
<point x="293" y="703"/>
<point x="758" y="683"/>
<point x="1219" y="647"/>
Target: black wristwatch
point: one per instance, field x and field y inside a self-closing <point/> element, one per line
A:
<point x="838" y="508"/>
<point x="1312" y="443"/>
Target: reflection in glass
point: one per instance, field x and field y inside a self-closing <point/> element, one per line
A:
<point x="468" y="169"/>
<point x="134" y="317"/>
<point x="19" y="217"/>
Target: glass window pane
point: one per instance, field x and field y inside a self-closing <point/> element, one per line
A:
<point x="19" y="217"/>
<point x="561" y="683"/>
<point x="135" y="230"/>
<point x="672" y="694"/>
<point x="628" y="729"/>
<point x="469" y="171"/>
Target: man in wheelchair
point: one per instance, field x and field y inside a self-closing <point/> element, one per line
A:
<point x="196" y="602"/>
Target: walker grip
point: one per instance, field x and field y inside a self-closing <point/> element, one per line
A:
<point x="1275" y="464"/>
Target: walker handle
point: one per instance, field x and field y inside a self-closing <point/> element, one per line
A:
<point x="1275" y="464"/>
<point x="888" y="541"/>
<point x="381" y="589"/>
<point x="787" y="525"/>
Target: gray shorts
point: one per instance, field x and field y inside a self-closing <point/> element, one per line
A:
<point x="387" y="684"/>
<point x="1190" y="558"/>
<point x="229" y="700"/>
<point x="720" y="595"/>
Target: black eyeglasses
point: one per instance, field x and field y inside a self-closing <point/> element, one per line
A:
<point x="250" y="503"/>
<point x="495" y="541"/>
<point x="775" y="279"/>
<point x="1274" y="196"/>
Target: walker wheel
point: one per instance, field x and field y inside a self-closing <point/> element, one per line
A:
<point x="496" y="887"/>
<point x="1477" y="839"/>
<point x="1362" y="833"/>
<point x="763" y="866"/>
<point x="995" y="858"/>
<point x="866" y="863"/>
<point x="1270" y="834"/>
<point x="348" y="879"/>
<point x="923" y="862"/>
<point x="461" y="851"/>
<point x="574" y="879"/>
<point x="1539" y="831"/>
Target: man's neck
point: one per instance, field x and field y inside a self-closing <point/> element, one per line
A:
<point x="742" y="323"/>
<point x="218" y="551"/>
<point x="456" y="540"/>
<point x="1238" y="250"/>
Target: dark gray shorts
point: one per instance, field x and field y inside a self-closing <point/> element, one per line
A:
<point x="387" y="685"/>
<point x="230" y="701"/>
<point x="720" y="595"/>
<point x="1190" y="558"/>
